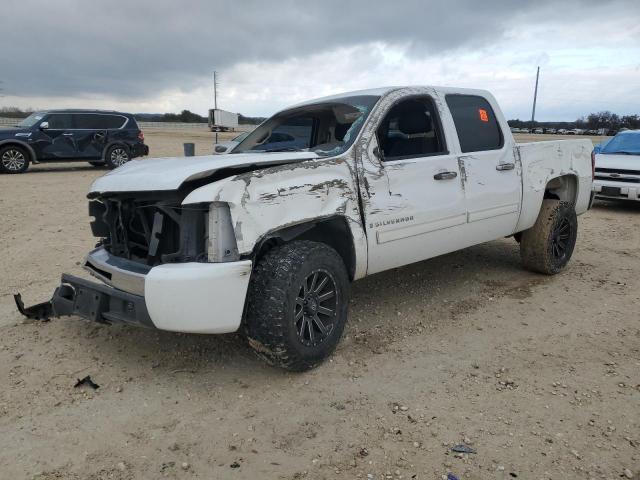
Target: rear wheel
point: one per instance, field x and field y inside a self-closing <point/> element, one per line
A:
<point x="117" y="155"/>
<point x="297" y="305"/>
<point x="13" y="159"/>
<point x="548" y="245"/>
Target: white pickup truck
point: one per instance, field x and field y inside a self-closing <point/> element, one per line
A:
<point x="267" y="239"/>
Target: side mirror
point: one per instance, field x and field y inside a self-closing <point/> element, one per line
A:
<point x="44" y="125"/>
<point x="220" y="149"/>
<point x="378" y="153"/>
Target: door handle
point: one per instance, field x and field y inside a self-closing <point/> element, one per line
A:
<point x="501" y="167"/>
<point x="445" y="175"/>
<point x="68" y="134"/>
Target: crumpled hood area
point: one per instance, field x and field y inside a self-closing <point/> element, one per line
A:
<point x="169" y="173"/>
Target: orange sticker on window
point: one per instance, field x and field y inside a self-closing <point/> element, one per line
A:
<point x="484" y="116"/>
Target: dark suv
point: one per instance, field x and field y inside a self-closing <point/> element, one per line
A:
<point x="99" y="137"/>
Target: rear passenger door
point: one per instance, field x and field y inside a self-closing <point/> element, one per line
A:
<point x="92" y="132"/>
<point x="491" y="175"/>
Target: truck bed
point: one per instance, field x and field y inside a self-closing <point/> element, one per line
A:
<point x="541" y="161"/>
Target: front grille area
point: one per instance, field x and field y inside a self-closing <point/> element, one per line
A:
<point x="617" y="170"/>
<point x="150" y="230"/>
<point x="617" y="179"/>
<point x="617" y="175"/>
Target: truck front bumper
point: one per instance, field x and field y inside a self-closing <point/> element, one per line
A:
<point x="181" y="297"/>
<point x="616" y="190"/>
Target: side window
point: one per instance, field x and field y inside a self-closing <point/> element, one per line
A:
<point x="411" y="129"/>
<point x="59" y="121"/>
<point x="114" y="121"/>
<point x="476" y="123"/>
<point x="86" y="121"/>
<point x="96" y="121"/>
<point x="294" y="133"/>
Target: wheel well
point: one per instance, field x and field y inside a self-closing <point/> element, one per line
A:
<point x="113" y="144"/>
<point x="333" y="231"/>
<point x="25" y="148"/>
<point x="564" y="188"/>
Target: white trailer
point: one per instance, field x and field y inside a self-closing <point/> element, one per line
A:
<point x="222" y="121"/>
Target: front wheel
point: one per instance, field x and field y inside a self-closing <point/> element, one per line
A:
<point x="297" y="305"/>
<point x="13" y="159"/>
<point x="116" y="156"/>
<point x="548" y="245"/>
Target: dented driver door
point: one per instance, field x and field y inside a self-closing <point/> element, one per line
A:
<point x="413" y="203"/>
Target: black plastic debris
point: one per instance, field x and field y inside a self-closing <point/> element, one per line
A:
<point x="463" y="449"/>
<point x="451" y="476"/>
<point x="88" y="382"/>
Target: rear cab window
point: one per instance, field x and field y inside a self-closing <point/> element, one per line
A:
<point x="476" y="123"/>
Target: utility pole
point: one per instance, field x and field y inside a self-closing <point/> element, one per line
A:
<point x="535" y="98"/>
<point x="215" y="89"/>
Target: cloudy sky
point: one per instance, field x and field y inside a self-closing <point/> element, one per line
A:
<point x="159" y="55"/>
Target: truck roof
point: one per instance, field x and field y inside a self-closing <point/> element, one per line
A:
<point x="381" y="91"/>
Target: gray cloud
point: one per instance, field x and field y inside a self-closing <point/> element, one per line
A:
<point x="128" y="49"/>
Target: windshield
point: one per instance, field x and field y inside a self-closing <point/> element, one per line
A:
<point x="32" y="119"/>
<point x="625" y="142"/>
<point x="327" y="128"/>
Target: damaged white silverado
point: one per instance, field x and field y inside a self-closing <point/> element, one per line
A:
<point x="267" y="239"/>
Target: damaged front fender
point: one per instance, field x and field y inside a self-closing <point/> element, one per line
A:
<point x="265" y="200"/>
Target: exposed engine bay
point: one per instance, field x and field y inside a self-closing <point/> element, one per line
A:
<point x="150" y="230"/>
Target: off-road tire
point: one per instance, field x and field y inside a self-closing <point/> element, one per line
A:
<point x="14" y="159"/>
<point x="273" y="306"/>
<point x="548" y="245"/>
<point x="112" y="160"/>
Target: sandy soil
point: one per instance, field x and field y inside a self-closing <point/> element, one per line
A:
<point x="540" y="375"/>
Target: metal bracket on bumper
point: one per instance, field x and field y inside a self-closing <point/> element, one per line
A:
<point x="92" y="301"/>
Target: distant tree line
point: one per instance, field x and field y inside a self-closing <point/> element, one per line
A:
<point x="183" y="117"/>
<point x="242" y="120"/>
<point x="189" y="117"/>
<point x="13" y="112"/>
<point x="593" y="121"/>
<point x="610" y="120"/>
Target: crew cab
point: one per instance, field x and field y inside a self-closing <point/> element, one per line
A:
<point x="267" y="239"/>
<point x="103" y="138"/>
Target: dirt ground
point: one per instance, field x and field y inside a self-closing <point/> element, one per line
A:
<point x="539" y="375"/>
